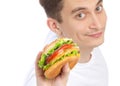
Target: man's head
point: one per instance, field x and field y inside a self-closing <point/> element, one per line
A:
<point x="82" y="20"/>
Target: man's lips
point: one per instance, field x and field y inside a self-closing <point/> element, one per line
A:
<point x="95" y="35"/>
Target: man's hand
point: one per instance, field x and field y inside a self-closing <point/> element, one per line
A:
<point x="60" y="80"/>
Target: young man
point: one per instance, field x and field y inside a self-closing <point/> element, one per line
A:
<point x="84" y="21"/>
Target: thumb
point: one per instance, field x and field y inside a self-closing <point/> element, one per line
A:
<point x="65" y="71"/>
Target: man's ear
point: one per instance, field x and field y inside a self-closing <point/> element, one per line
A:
<point x="53" y="25"/>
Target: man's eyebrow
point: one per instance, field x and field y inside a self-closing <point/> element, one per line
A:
<point x="78" y="9"/>
<point x="99" y="2"/>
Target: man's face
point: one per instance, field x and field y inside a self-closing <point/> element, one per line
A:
<point x="84" y="21"/>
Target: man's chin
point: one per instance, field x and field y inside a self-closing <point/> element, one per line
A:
<point x="98" y="43"/>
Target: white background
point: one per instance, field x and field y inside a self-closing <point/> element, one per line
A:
<point x="23" y="30"/>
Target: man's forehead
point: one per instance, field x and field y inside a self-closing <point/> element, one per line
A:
<point x="82" y="1"/>
<point x="72" y="6"/>
<point x="70" y="3"/>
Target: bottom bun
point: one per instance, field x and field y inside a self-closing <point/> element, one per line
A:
<point x="55" y="69"/>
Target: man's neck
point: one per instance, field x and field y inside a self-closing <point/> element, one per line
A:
<point x="85" y="55"/>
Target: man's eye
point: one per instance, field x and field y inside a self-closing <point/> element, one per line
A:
<point x="99" y="8"/>
<point x="81" y="15"/>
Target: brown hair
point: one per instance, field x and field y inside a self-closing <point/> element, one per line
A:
<point x="53" y="8"/>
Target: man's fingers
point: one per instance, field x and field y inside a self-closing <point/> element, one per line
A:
<point x="37" y="59"/>
<point x="39" y="71"/>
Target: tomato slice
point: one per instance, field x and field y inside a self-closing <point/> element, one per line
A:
<point x="59" y="50"/>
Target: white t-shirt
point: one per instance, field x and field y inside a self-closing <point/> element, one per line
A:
<point x="93" y="73"/>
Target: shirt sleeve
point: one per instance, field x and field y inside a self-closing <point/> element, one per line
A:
<point x="30" y="78"/>
<point x="50" y="37"/>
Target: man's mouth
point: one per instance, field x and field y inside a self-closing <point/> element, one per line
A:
<point x="95" y="35"/>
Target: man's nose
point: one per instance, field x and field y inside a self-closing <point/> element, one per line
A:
<point x="95" y="22"/>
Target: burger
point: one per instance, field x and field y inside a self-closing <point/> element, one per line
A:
<point x="56" y="54"/>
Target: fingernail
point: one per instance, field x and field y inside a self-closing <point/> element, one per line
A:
<point x="67" y="67"/>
